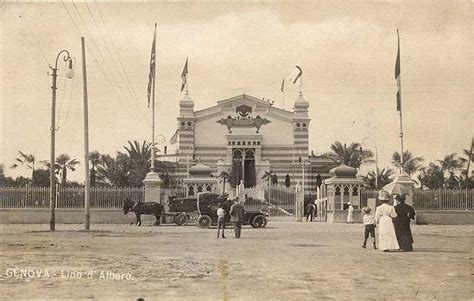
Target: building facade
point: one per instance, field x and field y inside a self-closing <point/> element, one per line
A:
<point x="249" y="138"/>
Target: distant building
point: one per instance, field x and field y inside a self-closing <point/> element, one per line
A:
<point x="248" y="138"/>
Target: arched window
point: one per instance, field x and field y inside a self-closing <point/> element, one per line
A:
<point x="355" y="191"/>
<point x="191" y="190"/>
<point x="346" y="190"/>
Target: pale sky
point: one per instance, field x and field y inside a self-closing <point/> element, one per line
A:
<point x="348" y="52"/>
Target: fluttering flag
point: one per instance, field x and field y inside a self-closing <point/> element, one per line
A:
<point x="184" y="76"/>
<point x="282" y="88"/>
<point x="151" y="76"/>
<point x="397" y="76"/>
<point x="296" y="74"/>
<point x="174" y="139"/>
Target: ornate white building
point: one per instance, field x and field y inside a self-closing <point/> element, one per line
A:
<point x="246" y="137"/>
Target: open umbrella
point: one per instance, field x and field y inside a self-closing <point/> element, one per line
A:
<point x="395" y="188"/>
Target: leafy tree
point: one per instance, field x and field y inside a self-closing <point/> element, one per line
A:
<point x="139" y="156"/>
<point x="3" y="179"/>
<point x="41" y="178"/>
<point x="382" y="179"/>
<point x="431" y="177"/>
<point x="411" y="164"/>
<point x="352" y="155"/>
<point x="63" y="164"/>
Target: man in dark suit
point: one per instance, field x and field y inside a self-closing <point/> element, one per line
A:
<point x="237" y="216"/>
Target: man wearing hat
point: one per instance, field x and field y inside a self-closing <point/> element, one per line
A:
<point x="237" y="216"/>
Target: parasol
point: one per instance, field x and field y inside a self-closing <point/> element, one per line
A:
<point x="395" y="188"/>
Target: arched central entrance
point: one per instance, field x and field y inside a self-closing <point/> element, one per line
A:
<point x="243" y="166"/>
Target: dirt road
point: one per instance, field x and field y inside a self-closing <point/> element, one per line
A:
<point x="286" y="261"/>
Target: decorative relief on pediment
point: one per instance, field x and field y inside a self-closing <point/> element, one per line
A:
<point x="243" y="121"/>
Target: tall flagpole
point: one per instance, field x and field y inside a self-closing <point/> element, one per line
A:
<point x="153" y="108"/>
<point x="399" y="101"/>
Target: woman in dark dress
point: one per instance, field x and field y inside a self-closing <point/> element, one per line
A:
<point x="402" y="223"/>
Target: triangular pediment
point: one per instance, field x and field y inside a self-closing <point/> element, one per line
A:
<point x="241" y="104"/>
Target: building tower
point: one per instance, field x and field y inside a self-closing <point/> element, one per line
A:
<point x="186" y="134"/>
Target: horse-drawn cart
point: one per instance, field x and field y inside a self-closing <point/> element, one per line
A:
<point x="182" y="209"/>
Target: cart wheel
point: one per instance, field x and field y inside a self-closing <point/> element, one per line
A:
<point x="204" y="221"/>
<point x="259" y="221"/>
<point x="181" y="219"/>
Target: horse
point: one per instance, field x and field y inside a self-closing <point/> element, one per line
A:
<point x="150" y="208"/>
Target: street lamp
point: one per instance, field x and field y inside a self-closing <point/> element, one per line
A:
<point x="52" y="179"/>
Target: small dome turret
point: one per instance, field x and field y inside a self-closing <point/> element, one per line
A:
<point x="200" y="170"/>
<point x="343" y="171"/>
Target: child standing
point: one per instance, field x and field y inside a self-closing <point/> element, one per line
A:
<point x="369" y="222"/>
<point x="220" y="220"/>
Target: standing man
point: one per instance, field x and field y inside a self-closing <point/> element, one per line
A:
<point x="237" y="216"/>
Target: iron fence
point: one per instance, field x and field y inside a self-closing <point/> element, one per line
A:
<point x="444" y="199"/>
<point x="280" y="200"/>
<point x="68" y="197"/>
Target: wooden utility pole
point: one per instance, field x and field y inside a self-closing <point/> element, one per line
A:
<point x="86" y="138"/>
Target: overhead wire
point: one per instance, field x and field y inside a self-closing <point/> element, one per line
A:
<point x="37" y="42"/>
<point x="135" y="113"/>
<point x="127" y="86"/>
<point x="113" y="44"/>
<point x="68" y="107"/>
<point x="95" y="60"/>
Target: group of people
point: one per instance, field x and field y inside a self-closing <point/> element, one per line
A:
<point x="393" y="222"/>
<point x="236" y="213"/>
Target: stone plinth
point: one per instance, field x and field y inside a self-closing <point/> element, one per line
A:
<point x="152" y="183"/>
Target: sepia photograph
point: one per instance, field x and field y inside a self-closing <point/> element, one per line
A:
<point x="236" y="150"/>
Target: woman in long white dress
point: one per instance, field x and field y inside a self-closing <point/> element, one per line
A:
<point x="383" y="215"/>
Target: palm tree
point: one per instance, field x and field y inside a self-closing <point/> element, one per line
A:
<point x="468" y="159"/>
<point x="450" y="164"/>
<point x="113" y="171"/>
<point x="224" y="176"/>
<point x="94" y="158"/>
<point x="383" y="177"/>
<point x="352" y="155"/>
<point x="27" y="160"/>
<point x="139" y="155"/>
<point x="63" y="164"/>
<point x="411" y="164"/>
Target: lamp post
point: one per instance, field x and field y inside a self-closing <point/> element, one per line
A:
<point x="52" y="179"/>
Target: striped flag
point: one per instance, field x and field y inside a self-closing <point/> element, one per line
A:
<point x="282" y="88"/>
<point x="174" y="139"/>
<point x="184" y="75"/>
<point x="397" y="76"/>
<point x="151" y="76"/>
